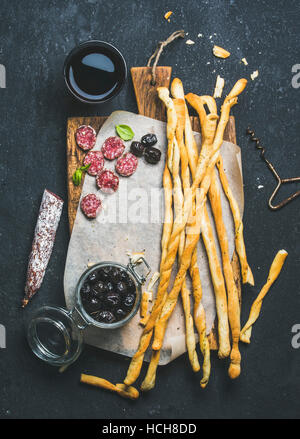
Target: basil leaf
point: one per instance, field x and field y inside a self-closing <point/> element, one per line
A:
<point x="84" y="168"/>
<point x="125" y="132"/>
<point x="77" y="176"/>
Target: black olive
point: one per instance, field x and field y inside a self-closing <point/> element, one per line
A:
<point x="131" y="288"/>
<point x="149" y="139"/>
<point x="129" y="301"/>
<point x="105" y="317"/>
<point x="113" y="299"/>
<point x="93" y="276"/>
<point x="124" y="276"/>
<point x="152" y="155"/>
<point x="115" y="275"/>
<point x="121" y="287"/>
<point x="109" y="287"/>
<point x="120" y="314"/>
<point x="93" y="305"/>
<point x="104" y="273"/>
<point x="85" y="290"/>
<point x="99" y="289"/>
<point x="137" y="148"/>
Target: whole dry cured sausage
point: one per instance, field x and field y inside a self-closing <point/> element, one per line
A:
<point x="107" y="181"/>
<point x="44" y="236"/>
<point x="112" y="148"/>
<point x="96" y="161"/>
<point x="86" y="137"/>
<point x="127" y="164"/>
<point x="91" y="205"/>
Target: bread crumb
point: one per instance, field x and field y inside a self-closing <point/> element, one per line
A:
<point x="153" y="280"/>
<point x="219" y="87"/>
<point x="189" y="42"/>
<point x="135" y="257"/>
<point x="200" y="35"/>
<point x="260" y="186"/>
<point x="220" y="52"/>
<point x="168" y="15"/>
<point x="245" y="61"/>
<point x="254" y="75"/>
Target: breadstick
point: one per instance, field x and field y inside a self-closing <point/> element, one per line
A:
<point x="208" y="132"/>
<point x="185" y="293"/>
<point x="200" y="319"/>
<point x="204" y="174"/>
<point x="149" y="380"/>
<point x="188" y="203"/>
<point x="232" y="293"/>
<point x="274" y="272"/>
<point x="166" y="264"/>
<point x="127" y="392"/>
<point x="247" y="275"/>
<point x="167" y="228"/>
<point x="199" y="312"/>
<point x="144" y="305"/>
<point x="146" y="296"/>
<point x="203" y="161"/>
<point x="190" y="143"/>
<point x="168" y="219"/>
<point x="219" y="285"/>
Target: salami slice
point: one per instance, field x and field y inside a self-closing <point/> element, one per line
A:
<point x="112" y="148"/>
<point x="107" y="181"/>
<point x="42" y="245"/>
<point x="91" y="205"/>
<point x="127" y="164"/>
<point x="86" y="137"/>
<point x="96" y="161"/>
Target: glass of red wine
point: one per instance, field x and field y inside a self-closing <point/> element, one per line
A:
<point x="95" y="71"/>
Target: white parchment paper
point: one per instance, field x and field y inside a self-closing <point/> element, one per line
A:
<point x="132" y="220"/>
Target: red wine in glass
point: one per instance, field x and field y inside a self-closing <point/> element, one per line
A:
<point x="95" y="71"/>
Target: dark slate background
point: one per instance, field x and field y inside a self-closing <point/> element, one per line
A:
<point x="34" y="41"/>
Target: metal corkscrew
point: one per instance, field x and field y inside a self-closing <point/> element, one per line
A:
<point x="280" y="181"/>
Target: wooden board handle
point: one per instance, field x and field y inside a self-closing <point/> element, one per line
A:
<point x="146" y="94"/>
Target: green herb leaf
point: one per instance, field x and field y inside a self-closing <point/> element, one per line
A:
<point x="125" y="132"/>
<point x="77" y="176"/>
<point x="84" y="168"/>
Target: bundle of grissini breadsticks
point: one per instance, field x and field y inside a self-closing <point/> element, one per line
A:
<point x="189" y="179"/>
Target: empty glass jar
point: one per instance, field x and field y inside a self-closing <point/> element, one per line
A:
<point x="55" y="334"/>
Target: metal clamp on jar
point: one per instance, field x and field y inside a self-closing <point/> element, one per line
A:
<point x="55" y="334"/>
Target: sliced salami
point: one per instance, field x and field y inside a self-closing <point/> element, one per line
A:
<point x="127" y="164"/>
<point x="112" y="148"/>
<point x="96" y="161"/>
<point x="42" y="245"/>
<point x="86" y="137"/>
<point x="107" y="181"/>
<point x="91" y="205"/>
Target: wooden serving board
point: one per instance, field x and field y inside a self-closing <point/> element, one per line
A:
<point x="148" y="105"/>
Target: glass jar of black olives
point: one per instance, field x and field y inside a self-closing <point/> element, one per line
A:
<point x="107" y="296"/>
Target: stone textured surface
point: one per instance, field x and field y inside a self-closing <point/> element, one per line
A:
<point x="34" y="41"/>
